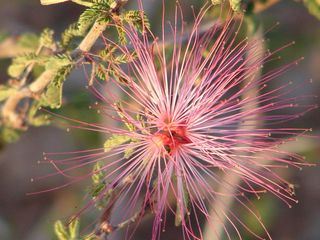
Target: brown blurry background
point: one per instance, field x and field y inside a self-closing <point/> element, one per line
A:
<point x="32" y="217"/>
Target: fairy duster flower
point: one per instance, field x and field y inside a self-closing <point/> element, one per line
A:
<point x="189" y="112"/>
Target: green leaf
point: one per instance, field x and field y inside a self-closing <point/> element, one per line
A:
<point x="122" y="58"/>
<point x="129" y="151"/>
<point x="121" y="34"/>
<point x="216" y="2"/>
<point x="98" y="175"/>
<point x="74" y="227"/>
<point x="130" y="148"/>
<point x="235" y="5"/>
<point x="104" y="69"/>
<point x="97" y="189"/>
<point x="29" y="40"/>
<point x="53" y="95"/>
<point x="141" y="119"/>
<point x="40" y="120"/>
<point x="120" y="112"/>
<point x="20" y="63"/>
<point x="61" y="231"/>
<point x="6" y="91"/>
<point x="99" y="185"/>
<point x="58" y="62"/>
<point x="90" y="237"/>
<point x="46" y="38"/>
<point x="114" y="141"/>
<point x="37" y="70"/>
<point x="9" y="135"/>
<point x="107" y="53"/>
<point x="102" y="72"/>
<point x="69" y="34"/>
<point x="86" y="19"/>
<point x="36" y="119"/>
<point x="15" y="70"/>
<point x="97" y="11"/>
<point x="138" y="19"/>
<point x="313" y="7"/>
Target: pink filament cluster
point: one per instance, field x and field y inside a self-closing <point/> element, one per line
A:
<point x="197" y="121"/>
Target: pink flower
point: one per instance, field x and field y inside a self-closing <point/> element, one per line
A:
<point x="191" y="113"/>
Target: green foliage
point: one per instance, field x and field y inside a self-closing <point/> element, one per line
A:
<point x="114" y="141"/>
<point x="46" y="57"/>
<point x="216" y="2"/>
<point x="8" y="134"/>
<point x="235" y="5"/>
<point x="91" y="237"/>
<point x="69" y="34"/>
<point x="74" y="229"/>
<point x="52" y="97"/>
<point x="102" y="72"/>
<point x="129" y="151"/>
<point x="108" y="59"/>
<point x="135" y="18"/>
<point x="20" y="63"/>
<point x="313" y="7"/>
<point x="243" y="6"/>
<point x="6" y="91"/>
<point x="36" y="119"/>
<point x="98" y="180"/>
<point x="107" y="53"/>
<point x="46" y="39"/>
<point x="120" y="112"/>
<point x="71" y="232"/>
<point x="61" y="231"/>
<point x="98" y="11"/>
<point x="67" y="233"/>
<point x="138" y="19"/>
<point x="121" y="33"/>
<point x="98" y="175"/>
<point x="99" y="184"/>
<point x="86" y="19"/>
<point x="117" y="140"/>
<point x="58" y="62"/>
<point x="28" y="40"/>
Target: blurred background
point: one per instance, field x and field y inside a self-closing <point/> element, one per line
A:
<point x="32" y="217"/>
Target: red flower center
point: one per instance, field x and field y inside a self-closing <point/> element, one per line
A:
<point x="171" y="138"/>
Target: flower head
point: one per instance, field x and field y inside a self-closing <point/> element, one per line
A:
<point x="190" y="114"/>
